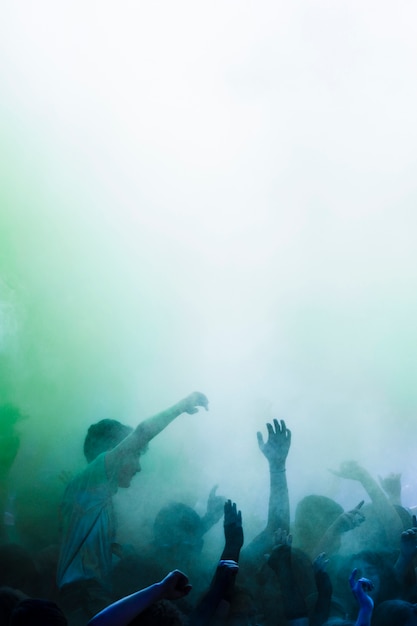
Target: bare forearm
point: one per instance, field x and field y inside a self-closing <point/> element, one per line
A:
<point x="151" y="427"/>
<point x="125" y="610"/>
<point x="386" y="512"/>
<point x="279" y="506"/>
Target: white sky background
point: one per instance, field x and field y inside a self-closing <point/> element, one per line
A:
<point x="225" y="200"/>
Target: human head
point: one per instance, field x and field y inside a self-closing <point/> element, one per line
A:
<point x="37" y="613"/>
<point x="9" y="599"/>
<point x="395" y="612"/>
<point x="313" y="516"/>
<point x="178" y="526"/>
<point x="103" y="436"/>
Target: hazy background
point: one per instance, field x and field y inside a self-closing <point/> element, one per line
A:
<point x="217" y="196"/>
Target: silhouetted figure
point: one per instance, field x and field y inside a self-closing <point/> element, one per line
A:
<point x="113" y="454"/>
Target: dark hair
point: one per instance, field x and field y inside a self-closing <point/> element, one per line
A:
<point x="103" y="436"/>
<point x="313" y="516"/>
<point x="176" y="521"/>
<point x="37" y="613"/>
<point x="9" y="599"/>
<point x="18" y="569"/>
<point x="393" y="613"/>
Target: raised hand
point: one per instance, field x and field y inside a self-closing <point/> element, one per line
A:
<point x="191" y="403"/>
<point x="351" y="519"/>
<point x="282" y="538"/>
<point x="233" y="531"/>
<point x="175" y="585"/>
<point x="277" y="446"/>
<point x="320" y="563"/>
<point x="351" y="470"/>
<point x="391" y="484"/>
<point x="360" y="589"/>
<point x="408" y="544"/>
<point x="215" y="506"/>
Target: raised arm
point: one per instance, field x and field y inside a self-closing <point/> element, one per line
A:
<point x="295" y="608"/>
<point x="387" y="514"/>
<point x="331" y="540"/>
<point x="215" y="507"/>
<point x="360" y="589"/>
<point x="233" y="532"/>
<point x="275" y="450"/>
<point x="174" y="586"/>
<point x="151" y="427"/>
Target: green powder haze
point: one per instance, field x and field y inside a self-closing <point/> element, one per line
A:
<point x="219" y="199"/>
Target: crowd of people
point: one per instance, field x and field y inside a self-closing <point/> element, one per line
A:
<point x="324" y="567"/>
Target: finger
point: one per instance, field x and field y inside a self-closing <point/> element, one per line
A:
<point x="260" y="440"/>
<point x="213" y="491"/>
<point x="270" y="430"/>
<point x="283" y="427"/>
<point x="202" y="400"/>
<point x="414" y="521"/>
<point x="276" y="424"/>
<point x="352" y="578"/>
<point x="360" y="505"/>
<point x="239" y="518"/>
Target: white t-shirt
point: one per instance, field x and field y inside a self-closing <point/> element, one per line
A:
<point x="88" y="526"/>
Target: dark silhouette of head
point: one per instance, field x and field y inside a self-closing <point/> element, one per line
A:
<point x="103" y="436"/>
<point x="313" y="516"/>
<point x="395" y="613"/>
<point x="178" y="526"/>
<point x="37" y="613"/>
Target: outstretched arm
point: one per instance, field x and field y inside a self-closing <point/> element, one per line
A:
<point x="366" y="604"/>
<point x="295" y="608"/>
<point x="324" y="591"/>
<point x="275" y="450"/>
<point x="149" y="428"/>
<point x="233" y="532"/>
<point x="215" y="507"/>
<point x="387" y="514"/>
<point x="174" y="586"/>
<point x="404" y="567"/>
<point x="331" y="540"/>
<point x="217" y="595"/>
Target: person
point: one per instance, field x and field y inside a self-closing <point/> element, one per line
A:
<point x="361" y="591"/>
<point x="178" y="537"/>
<point x="10" y="415"/>
<point x="113" y="453"/>
<point x="175" y="585"/>
<point x="219" y="602"/>
<point x="275" y="449"/>
<point x="37" y="612"/>
<point x="395" y="612"/>
<point x="383" y="521"/>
